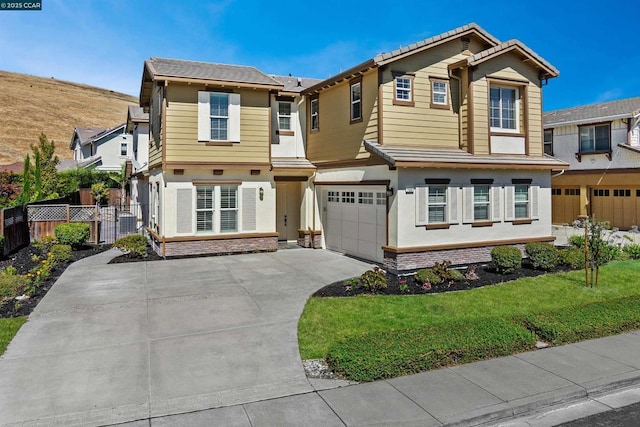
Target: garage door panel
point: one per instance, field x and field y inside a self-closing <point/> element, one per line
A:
<point x="367" y="249"/>
<point x="367" y="214"/>
<point x="350" y="246"/>
<point x="350" y="229"/>
<point x="334" y="211"/>
<point x="350" y="212"/>
<point x="367" y="232"/>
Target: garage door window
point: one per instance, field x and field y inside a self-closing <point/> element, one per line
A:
<point x="348" y="197"/>
<point x="333" y="196"/>
<point x="365" y="198"/>
<point x="381" y="199"/>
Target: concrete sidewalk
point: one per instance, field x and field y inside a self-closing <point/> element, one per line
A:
<point x="575" y="377"/>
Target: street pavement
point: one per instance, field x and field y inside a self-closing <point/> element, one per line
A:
<point x="213" y="341"/>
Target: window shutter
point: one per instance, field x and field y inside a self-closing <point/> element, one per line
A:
<point x="234" y="117"/>
<point x="467" y="205"/>
<point x="534" y="200"/>
<point x="509" y="208"/>
<point x="184" y="211"/>
<point x="421" y="205"/>
<point x="496" y="211"/>
<point x="204" y="117"/>
<point x="249" y="209"/>
<point x="452" y="205"/>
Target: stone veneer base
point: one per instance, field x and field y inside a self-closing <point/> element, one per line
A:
<point x="217" y="247"/>
<point x="412" y="261"/>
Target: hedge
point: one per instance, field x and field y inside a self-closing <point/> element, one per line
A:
<point x="388" y="354"/>
<point x="595" y="320"/>
<point x="74" y="234"/>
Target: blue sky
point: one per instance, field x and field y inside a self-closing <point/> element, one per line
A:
<point x="104" y="43"/>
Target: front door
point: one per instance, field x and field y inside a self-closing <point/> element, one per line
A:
<point x="287" y="210"/>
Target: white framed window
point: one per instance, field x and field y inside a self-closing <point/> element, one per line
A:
<point x="439" y="93"/>
<point x="521" y="201"/>
<point x="595" y="138"/>
<point x="333" y="196"/>
<point x="365" y="197"/>
<point x="348" y="197"/>
<point x="548" y="142"/>
<point x="284" y="115"/>
<point x="205" y="208"/>
<point x="437" y="204"/>
<point x="403" y="89"/>
<point x="381" y="199"/>
<point x="218" y="116"/>
<point x="356" y="101"/>
<point x="124" y="149"/>
<point x="481" y="202"/>
<point x="216" y="209"/>
<point x="315" y="114"/>
<point x="503" y="108"/>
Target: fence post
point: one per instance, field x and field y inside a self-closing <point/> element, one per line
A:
<point x="96" y="226"/>
<point x="68" y="213"/>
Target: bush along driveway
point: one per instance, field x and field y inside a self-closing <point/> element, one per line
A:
<point x="373" y="337"/>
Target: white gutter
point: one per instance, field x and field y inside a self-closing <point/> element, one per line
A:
<point x="587" y="121"/>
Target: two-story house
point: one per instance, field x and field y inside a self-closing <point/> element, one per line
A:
<point x="137" y="125"/>
<point x="601" y="143"/>
<point x="433" y="152"/>
<point x="227" y="167"/>
<point x="101" y="149"/>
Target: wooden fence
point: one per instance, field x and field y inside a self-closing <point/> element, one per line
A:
<point x="44" y="218"/>
<point x="14" y="228"/>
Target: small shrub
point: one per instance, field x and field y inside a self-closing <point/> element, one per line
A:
<point x="100" y="193"/>
<point x="404" y="288"/>
<point x="61" y="254"/>
<point x="11" y="284"/>
<point x="456" y="275"/>
<point x="373" y="280"/>
<point x="44" y="244"/>
<point x="135" y="245"/>
<point x="611" y="253"/>
<point x="633" y="250"/>
<point x="427" y="275"/>
<point x="573" y="257"/>
<point x="576" y="240"/>
<point x="75" y="234"/>
<point x="506" y="259"/>
<point x="543" y="256"/>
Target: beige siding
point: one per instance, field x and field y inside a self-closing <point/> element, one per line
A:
<point x="182" y="128"/>
<point x="480" y="113"/>
<point x="421" y="124"/>
<point x="337" y="138"/>
<point x="155" y="149"/>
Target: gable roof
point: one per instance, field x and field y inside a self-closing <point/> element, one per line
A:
<point x="136" y="114"/>
<point x="88" y="135"/>
<point x="593" y="113"/>
<point x="510" y="46"/>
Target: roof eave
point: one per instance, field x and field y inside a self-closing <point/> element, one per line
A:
<point x="358" y="69"/>
<point x="587" y="121"/>
<point x="549" y="72"/>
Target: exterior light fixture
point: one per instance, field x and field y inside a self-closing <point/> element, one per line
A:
<point x="261" y="194"/>
<point x="389" y="191"/>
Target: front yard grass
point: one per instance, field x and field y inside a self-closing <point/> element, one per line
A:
<point x="373" y="330"/>
<point x="8" y="328"/>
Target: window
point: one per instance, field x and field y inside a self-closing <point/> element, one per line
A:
<point x="503" y="108"/>
<point x="333" y="196"/>
<point x="622" y="193"/>
<point x="439" y="93"/>
<point x="218" y="117"/>
<point x="381" y="199"/>
<point x="481" y="202"/>
<point x="437" y="203"/>
<point x="595" y="138"/>
<point x="204" y="209"/>
<point x="284" y="115"/>
<point x="210" y="199"/>
<point x="556" y="191"/>
<point x="571" y="191"/>
<point x="315" y="116"/>
<point x="548" y="142"/>
<point x="348" y="197"/>
<point x="356" y="101"/>
<point x="521" y="201"/>
<point x="124" y="148"/>
<point x="365" y="198"/>
<point x="601" y="193"/>
<point x="403" y="90"/>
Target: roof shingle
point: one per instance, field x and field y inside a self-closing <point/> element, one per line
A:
<point x="592" y="113"/>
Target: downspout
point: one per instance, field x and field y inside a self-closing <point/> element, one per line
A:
<point x="558" y="174"/>
<point x="313" y="211"/>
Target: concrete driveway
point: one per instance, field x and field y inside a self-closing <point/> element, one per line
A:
<point x="115" y="343"/>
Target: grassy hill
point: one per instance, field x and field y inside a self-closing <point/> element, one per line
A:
<point x="30" y="105"/>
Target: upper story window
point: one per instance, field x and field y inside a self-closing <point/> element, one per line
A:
<point x="284" y="115"/>
<point x="403" y="90"/>
<point x="315" y="114"/>
<point x="218" y="117"/>
<point x="439" y="93"/>
<point x="595" y="138"/>
<point x="356" y="101"/>
<point x="124" y="148"/>
<point x="503" y="108"/>
<point x="548" y="142"/>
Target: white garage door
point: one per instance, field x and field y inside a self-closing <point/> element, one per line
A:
<point x="355" y="220"/>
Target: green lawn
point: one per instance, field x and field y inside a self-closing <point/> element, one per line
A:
<point x="8" y="328"/>
<point x="327" y="321"/>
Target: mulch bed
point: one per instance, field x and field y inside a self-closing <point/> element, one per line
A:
<point x="485" y="272"/>
<point x="151" y="256"/>
<point x="27" y="258"/>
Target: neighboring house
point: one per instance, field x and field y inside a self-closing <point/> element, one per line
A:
<point x="101" y="149"/>
<point x="137" y="126"/>
<point x="432" y="152"/>
<point x="601" y="143"/>
<point x="227" y="172"/>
